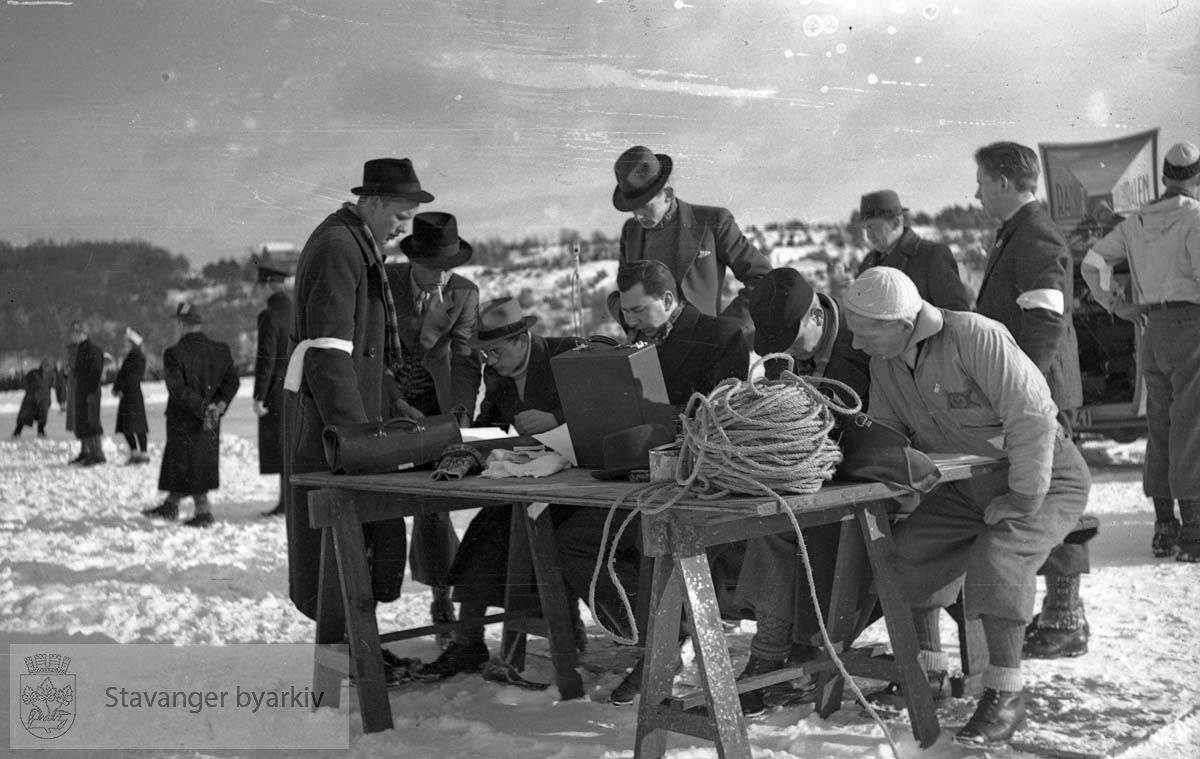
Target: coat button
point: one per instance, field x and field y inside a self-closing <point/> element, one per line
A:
<point x="370" y="353"/>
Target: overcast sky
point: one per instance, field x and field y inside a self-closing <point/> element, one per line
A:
<point x="208" y="127"/>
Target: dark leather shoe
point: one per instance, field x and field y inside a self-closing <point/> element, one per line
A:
<point x="999" y="715"/>
<point x="93" y="461"/>
<point x="627" y="689"/>
<point x="165" y="510"/>
<point x="200" y="520"/>
<point x="752" y="701"/>
<point x="1046" y="643"/>
<point x="1166" y="539"/>
<point x="458" y="657"/>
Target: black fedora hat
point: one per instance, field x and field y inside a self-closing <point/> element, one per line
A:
<point x="777" y="306"/>
<point x="641" y="173"/>
<point x="629" y="450"/>
<point x="500" y="319"/>
<point x="434" y="241"/>
<point x="392" y="177"/>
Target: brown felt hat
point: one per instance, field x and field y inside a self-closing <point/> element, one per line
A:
<point x="434" y="241"/>
<point x="641" y="173"/>
<point x="629" y="450"/>
<point x="500" y="319"/>
<point x="393" y="178"/>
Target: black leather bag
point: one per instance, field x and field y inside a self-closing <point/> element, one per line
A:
<point x="873" y="451"/>
<point x="378" y="447"/>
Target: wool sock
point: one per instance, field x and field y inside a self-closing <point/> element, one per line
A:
<point x="773" y="641"/>
<point x="1003" y="678"/>
<point x="1004" y="640"/>
<point x="1062" y="609"/>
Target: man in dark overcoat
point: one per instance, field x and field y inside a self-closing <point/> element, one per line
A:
<point x="85" y="404"/>
<point x="519" y="390"/>
<point x="436" y="312"/>
<point x="131" y="409"/>
<point x="930" y="265"/>
<point x="345" y="339"/>
<point x="39" y="387"/>
<point x="270" y="365"/>
<point x="201" y="382"/>
<point x="696" y="351"/>
<point x="699" y="244"/>
<point x="1028" y="286"/>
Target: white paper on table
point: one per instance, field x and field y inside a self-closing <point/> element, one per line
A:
<point x="559" y="441"/>
<point x="475" y="434"/>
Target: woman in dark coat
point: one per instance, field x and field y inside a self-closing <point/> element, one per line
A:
<point x="270" y="366"/>
<point x="131" y="411"/>
<point x="35" y="406"/>
<point x="85" y="403"/>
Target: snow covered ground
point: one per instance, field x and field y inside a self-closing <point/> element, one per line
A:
<point x="78" y="563"/>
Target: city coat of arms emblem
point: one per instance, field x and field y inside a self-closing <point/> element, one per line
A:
<point x="47" y="696"/>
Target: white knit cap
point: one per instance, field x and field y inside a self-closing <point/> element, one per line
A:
<point x="133" y="337"/>
<point x="1182" y="162"/>
<point x="883" y="292"/>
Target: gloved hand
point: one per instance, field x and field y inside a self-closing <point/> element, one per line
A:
<point x="457" y="462"/>
<point x="212" y="416"/>
<point x="260" y="408"/>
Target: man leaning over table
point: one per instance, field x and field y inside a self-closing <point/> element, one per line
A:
<point x="345" y="340"/>
<point x="958" y="383"/>
<point x="696" y="352"/>
<point x="519" y="390"/>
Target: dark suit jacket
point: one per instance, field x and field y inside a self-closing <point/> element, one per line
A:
<point x="699" y="352"/>
<point x="698" y="246"/>
<point x="440" y="339"/>
<point x="270" y="368"/>
<point x="931" y="267"/>
<point x="1031" y="254"/>
<point x="500" y="400"/>
<point x="846" y="363"/>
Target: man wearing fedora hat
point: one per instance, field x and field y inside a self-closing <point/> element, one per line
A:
<point x="697" y="243"/>
<point x="930" y="265"/>
<point x="519" y="390"/>
<point x="270" y="365"/>
<point x="345" y="339"/>
<point x="1028" y="286"/>
<point x="1161" y="245"/>
<point x="201" y="382"/>
<point x="436" y="313"/>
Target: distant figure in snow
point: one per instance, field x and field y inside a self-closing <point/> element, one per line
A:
<point x="131" y="411"/>
<point x="85" y="401"/>
<point x="270" y="366"/>
<point x="39" y="386"/>
<point x="201" y="381"/>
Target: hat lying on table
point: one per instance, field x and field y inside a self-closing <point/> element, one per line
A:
<point x="629" y="450"/>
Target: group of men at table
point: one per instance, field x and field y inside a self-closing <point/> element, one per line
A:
<point x="375" y="340"/>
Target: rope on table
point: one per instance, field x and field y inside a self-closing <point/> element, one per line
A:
<point x="756" y="437"/>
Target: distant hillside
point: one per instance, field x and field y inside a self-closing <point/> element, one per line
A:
<point x="111" y="285"/>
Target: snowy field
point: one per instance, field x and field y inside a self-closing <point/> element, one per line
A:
<point x="78" y="563"/>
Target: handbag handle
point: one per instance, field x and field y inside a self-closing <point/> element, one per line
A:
<point x="383" y="428"/>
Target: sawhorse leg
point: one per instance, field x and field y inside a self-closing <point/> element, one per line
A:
<point x="881" y="550"/>
<point x="366" y="657"/>
<point x="552" y="592"/>
<point x="842" y="622"/>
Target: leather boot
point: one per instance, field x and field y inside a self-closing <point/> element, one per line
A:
<point x="998" y="715"/>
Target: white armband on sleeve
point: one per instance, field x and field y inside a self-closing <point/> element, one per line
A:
<point x="295" y="368"/>
<point x="1048" y="298"/>
<point x="1097" y="262"/>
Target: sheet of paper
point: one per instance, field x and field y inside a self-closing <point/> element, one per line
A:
<point x="475" y="434"/>
<point x="559" y="441"/>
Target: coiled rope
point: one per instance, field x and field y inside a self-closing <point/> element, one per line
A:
<point x="755" y="437"/>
